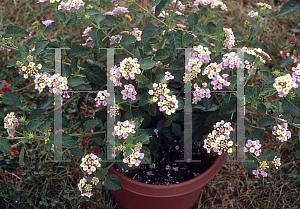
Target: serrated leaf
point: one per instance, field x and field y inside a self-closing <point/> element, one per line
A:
<point x="67" y="141"/>
<point x="139" y="17"/>
<point x="77" y="49"/>
<point x="35" y="114"/>
<point x="147" y="64"/>
<point x="162" y="4"/>
<point x="270" y="155"/>
<point x="39" y="46"/>
<point x="187" y="39"/>
<point x="292" y="106"/>
<point x="4" y="145"/>
<point x="61" y="16"/>
<point x="149" y="32"/>
<point x="266" y="121"/>
<point x="218" y="46"/>
<point x="90" y="124"/>
<point x="23" y="49"/>
<point x="92" y="11"/>
<point x="10" y="98"/>
<point x="15" y="31"/>
<point x="50" y="28"/>
<point x="98" y="18"/>
<point x="112" y="182"/>
<point x="238" y="35"/>
<point x="219" y="27"/>
<point x="97" y="36"/>
<point x="192" y="20"/>
<point x="253" y="30"/>
<point x="109" y="19"/>
<point x="128" y="39"/>
<point x="75" y="81"/>
<point x="161" y="54"/>
<point x="95" y="76"/>
<point x="33" y="125"/>
<point x="175" y="40"/>
<point x="176" y="129"/>
<point x="76" y="152"/>
<point x="102" y="173"/>
<point x="290" y="6"/>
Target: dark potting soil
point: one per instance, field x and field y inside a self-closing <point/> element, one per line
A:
<point x="167" y="171"/>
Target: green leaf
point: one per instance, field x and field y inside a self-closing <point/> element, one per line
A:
<point x="286" y="62"/>
<point x="290" y="6"/>
<point x="39" y="46"/>
<point x="161" y="54"/>
<point x="4" y="145"/>
<point x="253" y="30"/>
<point x="77" y="49"/>
<point x="75" y="81"/>
<point x="111" y="20"/>
<point x="95" y="76"/>
<point x="112" y="182"/>
<point x="238" y="35"/>
<point x="266" y="75"/>
<point x="292" y="106"/>
<point x="250" y="163"/>
<point x="90" y="124"/>
<point x="202" y="28"/>
<point x="270" y="155"/>
<point x="50" y="28"/>
<point x="128" y="39"/>
<point x="176" y="129"/>
<point x="218" y="46"/>
<point x="23" y="49"/>
<point x="161" y="6"/>
<point x="15" y="31"/>
<point x="261" y="45"/>
<point x="102" y="173"/>
<point x="35" y="114"/>
<point x="10" y="98"/>
<point x="147" y="155"/>
<point x="2" y="84"/>
<point x="71" y="21"/>
<point x="175" y="40"/>
<point x="67" y="141"/>
<point x="149" y="32"/>
<point x="33" y="125"/>
<point x="192" y="20"/>
<point x="21" y="156"/>
<point x="98" y="18"/>
<point x="76" y="152"/>
<point x="256" y="91"/>
<point x="187" y="39"/>
<point x="261" y="108"/>
<point x="61" y="16"/>
<point x="266" y="121"/>
<point x="92" y="11"/>
<point x="219" y="27"/>
<point x="176" y="65"/>
<point x="97" y="36"/>
<point x="147" y="64"/>
<point x="296" y="154"/>
<point x="139" y="17"/>
<point x="294" y="174"/>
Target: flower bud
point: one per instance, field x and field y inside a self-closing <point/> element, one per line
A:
<point x="87" y="16"/>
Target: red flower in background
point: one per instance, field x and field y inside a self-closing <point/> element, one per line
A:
<point x="6" y="87"/>
<point x="13" y="151"/>
<point x="291" y="40"/>
<point x="296" y="41"/>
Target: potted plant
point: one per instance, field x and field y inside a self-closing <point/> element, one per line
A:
<point x="151" y="113"/>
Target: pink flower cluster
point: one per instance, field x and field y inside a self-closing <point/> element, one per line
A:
<point x="212" y="3"/>
<point x="137" y="33"/>
<point x="3" y="48"/>
<point x="202" y="53"/>
<point x="86" y="33"/>
<point x="128" y="68"/>
<point x="115" y="38"/>
<point x="259" y="171"/>
<point x="212" y="72"/>
<point x="123" y="128"/>
<point x="129" y="92"/>
<point x="168" y="76"/>
<point x="253" y="14"/>
<point x="11" y="123"/>
<point x="281" y="132"/>
<point x="56" y="83"/>
<point x="116" y="2"/>
<point x="90" y="163"/>
<point x="70" y="4"/>
<point x="296" y="72"/>
<point x="117" y="11"/>
<point x="102" y="98"/>
<point x="81" y="185"/>
<point x="180" y="5"/>
<point x="201" y="93"/>
<point x="133" y="158"/>
<point x="229" y="38"/>
<point x="230" y="60"/>
<point x="218" y="140"/>
<point x="47" y="22"/>
<point x="253" y="147"/>
<point x="194" y="64"/>
<point x="256" y="52"/>
<point x="284" y="84"/>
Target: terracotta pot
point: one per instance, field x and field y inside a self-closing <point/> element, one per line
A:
<point x="137" y="195"/>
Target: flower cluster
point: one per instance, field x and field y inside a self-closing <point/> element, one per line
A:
<point x="218" y="140"/>
<point x="200" y="93"/>
<point x="137" y="33"/>
<point x="13" y="151"/>
<point x="133" y="158"/>
<point x="123" y="128"/>
<point x="256" y="52"/>
<point x="87" y="187"/>
<point x="180" y="5"/>
<point x="90" y="163"/>
<point x="115" y="38"/>
<point x="102" y="98"/>
<point x="47" y="22"/>
<point x="202" y="53"/>
<point x="194" y="65"/>
<point x="276" y="162"/>
<point x="212" y="3"/>
<point x="168" y="76"/>
<point x="212" y="72"/>
<point x="86" y="33"/>
<point x="259" y="171"/>
<point x="11" y="123"/>
<point x="128" y="68"/>
<point x="253" y="147"/>
<point x="229" y="38"/>
<point x="117" y="11"/>
<point x="281" y="132"/>
<point x="129" y="92"/>
<point x="296" y="72"/>
<point x="295" y="56"/>
<point x="253" y="14"/>
<point x="264" y="5"/>
<point x="70" y="4"/>
<point x="56" y="83"/>
<point x="293" y="41"/>
<point x="30" y="69"/>
<point x="284" y="84"/>
<point x="5" y="88"/>
<point x="231" y="60"/>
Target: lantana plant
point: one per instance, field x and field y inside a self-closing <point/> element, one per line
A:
<point x="150" y="80"/>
